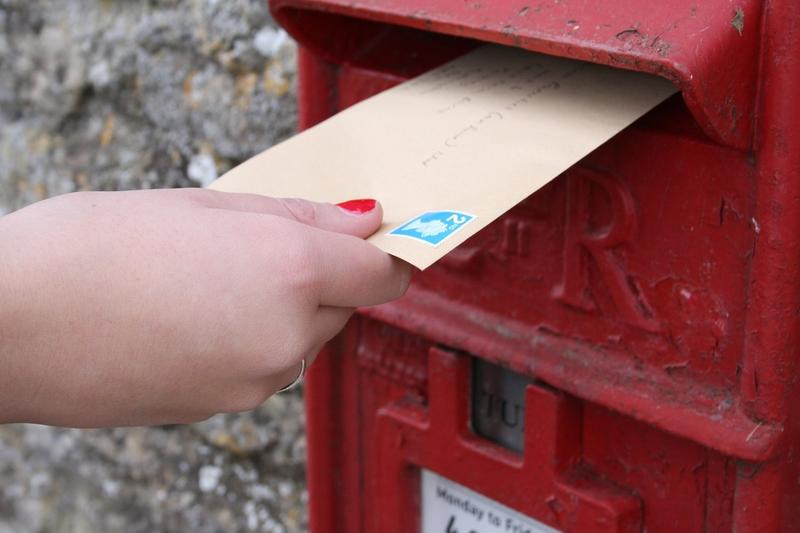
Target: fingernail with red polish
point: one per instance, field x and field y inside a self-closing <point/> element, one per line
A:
<point x="358" y="207"/>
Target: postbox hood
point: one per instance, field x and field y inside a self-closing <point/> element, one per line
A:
<point x="708" y="49"/>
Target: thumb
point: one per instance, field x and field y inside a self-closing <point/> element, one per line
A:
<point x="360" y="218"/>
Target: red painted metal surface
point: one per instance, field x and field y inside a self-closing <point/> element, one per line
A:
<point x="709" y="48"/>
<point x="651" y="292"/>
<point x="437" y="436"/>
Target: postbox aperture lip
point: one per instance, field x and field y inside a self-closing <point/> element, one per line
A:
<point x="694" y="45"/>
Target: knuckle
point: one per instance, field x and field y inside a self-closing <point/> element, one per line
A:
<point x="301" y="210"/>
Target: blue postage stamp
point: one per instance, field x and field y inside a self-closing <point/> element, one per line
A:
<point x="433" y="227"/>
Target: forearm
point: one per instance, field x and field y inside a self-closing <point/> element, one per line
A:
<point x="59" y="364"/>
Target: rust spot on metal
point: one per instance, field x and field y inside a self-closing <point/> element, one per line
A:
<point x="510" y="31"/>
<point x="638" y="39"/>
<point x="726" y="209"/>
<point x="669" y="368"/>
<point x="556" y="507"/>
<point x="661" y="46"/>
<point x="624" y="34"/>
<point x="738" y="20"/>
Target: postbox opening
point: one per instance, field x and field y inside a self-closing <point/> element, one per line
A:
<point x="381" y="49"/>
<point x="366" y="44"/>
<point x="701" y="52"/>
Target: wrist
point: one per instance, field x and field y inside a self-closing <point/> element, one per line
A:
<point x="14" y="374"/>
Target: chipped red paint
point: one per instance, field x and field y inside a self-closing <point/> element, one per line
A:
<point x="651" y="292"/>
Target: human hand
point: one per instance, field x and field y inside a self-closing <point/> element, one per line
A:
<point x="168" y="306"/>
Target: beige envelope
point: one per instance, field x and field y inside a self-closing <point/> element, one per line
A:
<point x="450" y="151"/>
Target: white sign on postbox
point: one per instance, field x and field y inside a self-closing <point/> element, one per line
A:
<point x="448" y="507"/>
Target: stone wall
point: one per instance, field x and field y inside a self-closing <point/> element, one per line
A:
<point x="123" y="94"/>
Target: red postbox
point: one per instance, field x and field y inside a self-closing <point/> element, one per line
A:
<point x="619" y="351"/>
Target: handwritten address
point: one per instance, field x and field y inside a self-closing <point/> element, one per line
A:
<point x="520" y="85"/>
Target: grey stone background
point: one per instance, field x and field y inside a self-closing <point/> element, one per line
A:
<point x="123" y="94"/>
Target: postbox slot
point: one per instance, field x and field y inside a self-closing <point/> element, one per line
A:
<point x="498" y="404"/>
<point x="703" y="47"/>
